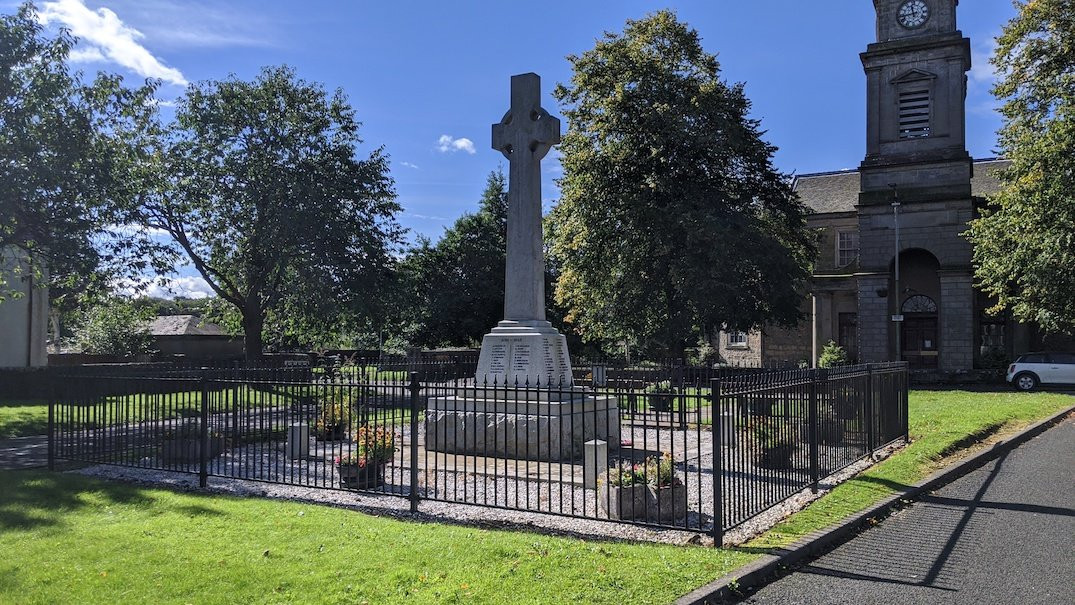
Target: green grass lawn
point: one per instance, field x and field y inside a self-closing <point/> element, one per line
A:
<point x="940" y="422"/>
<point x="69" y="538"/>
<point x="22" y="417"/>
<point x="73" y="539"/>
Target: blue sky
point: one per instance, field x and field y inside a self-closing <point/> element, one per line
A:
<point x="428" y="78"/>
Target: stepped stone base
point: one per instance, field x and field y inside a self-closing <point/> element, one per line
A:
<point x="522" y="425"/>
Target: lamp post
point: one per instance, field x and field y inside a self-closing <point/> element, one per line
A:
<point x="897" y="318"/>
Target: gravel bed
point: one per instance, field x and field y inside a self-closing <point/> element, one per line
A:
<point x="457" y="489"/>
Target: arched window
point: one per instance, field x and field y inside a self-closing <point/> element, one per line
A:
<point x="919" y="304"/>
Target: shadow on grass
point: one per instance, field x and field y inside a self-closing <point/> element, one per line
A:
<point x="33" y="499"/>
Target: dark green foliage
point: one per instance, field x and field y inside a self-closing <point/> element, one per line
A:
<point x="454" y="289"/>
<point x="1024" y="243"/>
<point x="265" y="196"/>
<point x="76" y="157"/>
<point x="116" y="327"/>
<point x="832" y="355"/>
<point x="672" y="216"/>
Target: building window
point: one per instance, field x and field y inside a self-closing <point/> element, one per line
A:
<point x="914" y="111"/>
<point x="919" y="304"/>
<point x="737" y="339"/>
<point x="847" y="248"/>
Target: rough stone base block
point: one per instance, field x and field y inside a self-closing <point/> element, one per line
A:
<point x="523" y="430"/>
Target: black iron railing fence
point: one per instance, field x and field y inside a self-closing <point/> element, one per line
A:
<point x="702" y="451"/>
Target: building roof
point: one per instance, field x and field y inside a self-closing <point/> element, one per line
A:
<point x="183" y="325"/>
<point x="831" y="192"/>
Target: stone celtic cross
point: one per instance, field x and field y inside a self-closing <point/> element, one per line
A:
<point x="524" y="136"/>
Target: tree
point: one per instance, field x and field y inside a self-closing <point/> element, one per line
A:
<point x="1024" y="242"/>
<point x="265" y="195"/>
<point x="455" y="288"/>
<point x="75" y="160"/>
<point x="116" y="327"/>
<point x="672" y="217"/>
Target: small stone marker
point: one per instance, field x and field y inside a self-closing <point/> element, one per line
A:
<point x="594" y="462"/>
<point x="298" y="441"/>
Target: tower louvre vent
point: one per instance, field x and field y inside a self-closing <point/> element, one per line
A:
<point x="914" y="113"/>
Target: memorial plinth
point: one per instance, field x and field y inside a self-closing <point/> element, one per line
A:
<point x="523" y="403"/>
<point x="526" y="424"/>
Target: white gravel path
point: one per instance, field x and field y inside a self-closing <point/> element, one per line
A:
<point x="457" y="487"/>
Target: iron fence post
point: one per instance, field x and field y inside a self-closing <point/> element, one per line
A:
<point x="904" y="394"/>
<point x="867" y="416"/>
<point x="415" y="387"/>
<point x="52" y="424"/>
<point x="203" y="433"/>
<point x="718" y="470"/>
<point x="819" y="377"/>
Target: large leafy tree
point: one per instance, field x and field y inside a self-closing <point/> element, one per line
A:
<point x="264" y="193"/>
<point x="455" y="287"/>
<point x="76" y="157"/>
<point x="672" y="217"/>
<point x="1024" y="242"/>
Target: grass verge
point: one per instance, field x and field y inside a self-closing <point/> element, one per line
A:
<point x="77" y="539"/>
<point x="74" y="539"/>
<point x="942" y="423"/>
<point x="20" y="418"/>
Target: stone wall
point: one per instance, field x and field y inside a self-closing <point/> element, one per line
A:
<point x="744" y="355"/>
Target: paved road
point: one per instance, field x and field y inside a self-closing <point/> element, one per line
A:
<point x="1004" y="533"/>
<point x="24" y="452"/>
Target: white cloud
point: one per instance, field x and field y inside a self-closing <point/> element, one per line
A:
<point x="166" y="287"/>
<point x="409" y="165"/>
<point x="89" y="54"/>
<point x="427" y="217"/>
<point x="103" y="31"/>
<point x="982" y="71"/>
<point x="447" y="144"/>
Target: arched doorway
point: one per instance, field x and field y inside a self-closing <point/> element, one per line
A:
<point x="917" y="301"/>
<point x="919" y="338"/>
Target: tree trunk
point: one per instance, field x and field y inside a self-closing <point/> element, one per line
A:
<point x="253" y="323"/>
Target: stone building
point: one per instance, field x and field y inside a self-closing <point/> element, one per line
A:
<point x="917" y="178"/>
<point x="23" y="313"/>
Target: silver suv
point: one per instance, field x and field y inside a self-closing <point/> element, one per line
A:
<point x="1035" y="369"/>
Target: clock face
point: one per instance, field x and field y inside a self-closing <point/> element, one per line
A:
<point x="913" y="13"/>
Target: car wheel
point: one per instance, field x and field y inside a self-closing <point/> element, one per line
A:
<point x="1025" y="382"/>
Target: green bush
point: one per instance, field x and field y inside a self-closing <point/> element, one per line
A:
<point x="115" y="328"/>
<point x="832" y="355"/>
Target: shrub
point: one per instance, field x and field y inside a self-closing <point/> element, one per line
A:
<point x="331" y="420"/>
<point x="115" y="328"/>
<point x="375" y="446"/>
<point x="832" y="355"/>
<point x="658" y="472"/>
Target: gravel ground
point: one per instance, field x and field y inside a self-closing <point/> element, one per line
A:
<point x="450" y="490"/>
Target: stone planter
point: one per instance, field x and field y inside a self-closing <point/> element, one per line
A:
<point x="189" y="449"/>
<point x="626" y="503"/>
<point x="829" y="432"/>
<point x="353" y="476"/>
<point x="778" y="457"/>
<point x="336" y="433"/>
<point x="660" y="402"/>
<point x="644" y="502"/>
<point x="670" y="503"/>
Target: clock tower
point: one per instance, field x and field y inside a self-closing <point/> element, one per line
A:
<point x="916" y="87"/>
<point x="916" y="154"/>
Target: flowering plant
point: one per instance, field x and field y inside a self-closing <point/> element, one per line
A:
<point x="658" y="472"/>
<point x="330" y="420"/>
<point x="375" y="446"/>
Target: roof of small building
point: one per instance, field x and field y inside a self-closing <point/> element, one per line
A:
<point x="830" y="192"/>
<point x="183" y="325"/>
